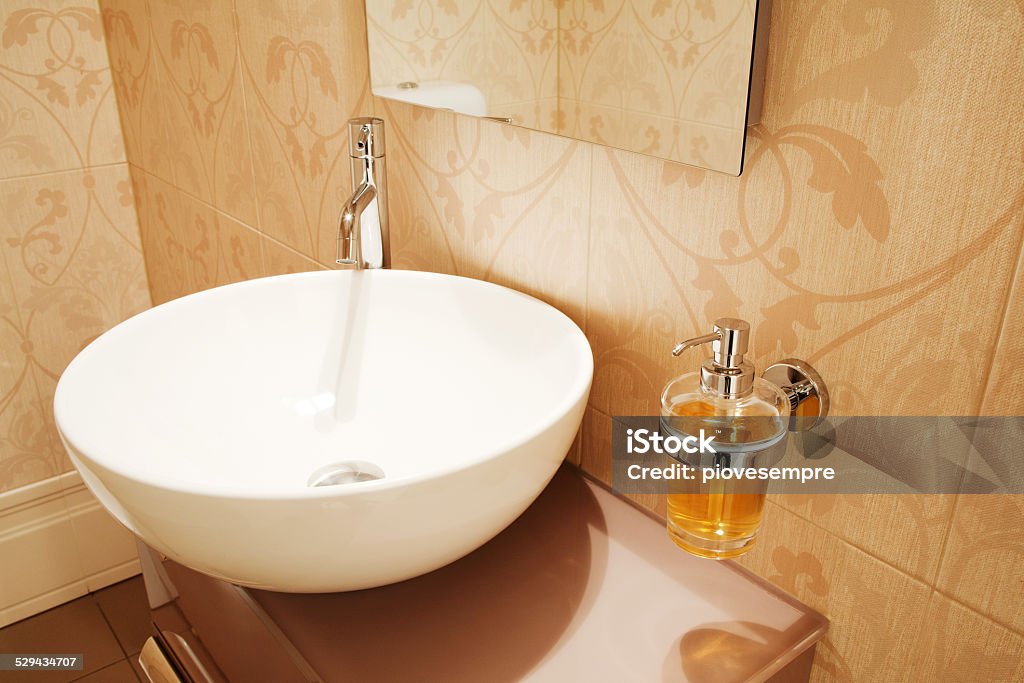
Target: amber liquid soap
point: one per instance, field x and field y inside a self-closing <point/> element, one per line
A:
<point x="720" y="519"/>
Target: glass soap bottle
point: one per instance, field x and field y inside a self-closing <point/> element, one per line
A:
<point x="719" y="518"/>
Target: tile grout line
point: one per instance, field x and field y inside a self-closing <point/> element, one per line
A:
<point x="110" y="627"/>
<point x="63" y="171"/>
<point x="586" y="290"/>
<point x="121" y="115"/>
<point x="933" y="589"/>
<point x="853" y="544"/>
<point x="1015" y="277"/>
<point x="1017" y="631"/>
<point x="248" y="132"/>
<point x="103" y="668"/>
<point x="136" y="195"/>
<point x="945" y="539"/>
<point x="227" y="215"/>
<point x="261" y="236"/>
<point x="199" y="200"/>
<point x="590" y="237"/>
<point x="91" y="598"/>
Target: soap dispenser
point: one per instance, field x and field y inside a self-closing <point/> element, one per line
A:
<point x="749" y="417"/>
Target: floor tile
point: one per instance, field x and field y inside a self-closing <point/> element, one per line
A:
<point x="77" y="627"/>
<point x="121" y="672"/>
<point x="127" y="611"/>
<point x="137" y="668"/>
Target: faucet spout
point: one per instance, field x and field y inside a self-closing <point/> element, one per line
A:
<point x="363" y="222"/>
<point x="349" y="248"/>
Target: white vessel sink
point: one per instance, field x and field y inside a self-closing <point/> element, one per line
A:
<point x="202" y="424"/>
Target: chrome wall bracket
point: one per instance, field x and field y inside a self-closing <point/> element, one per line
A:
<point x="806" y="390"/>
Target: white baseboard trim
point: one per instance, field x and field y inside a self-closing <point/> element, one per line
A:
<point x="57" y="543"/>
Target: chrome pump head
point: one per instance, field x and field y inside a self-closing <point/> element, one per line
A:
<point x="727" y="374"/>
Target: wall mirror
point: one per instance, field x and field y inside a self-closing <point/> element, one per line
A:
<point x="676" y="79"/>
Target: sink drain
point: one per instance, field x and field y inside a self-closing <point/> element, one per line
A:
<point x="349" y="472"/>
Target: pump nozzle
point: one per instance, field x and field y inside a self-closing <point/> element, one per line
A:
<point x="696" y="341"/>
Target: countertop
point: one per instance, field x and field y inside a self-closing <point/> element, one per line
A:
<point x="583" y="586"/>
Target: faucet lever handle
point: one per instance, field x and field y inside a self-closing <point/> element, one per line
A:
<point x="366" y="137"/>
<point x="363" y="139"/>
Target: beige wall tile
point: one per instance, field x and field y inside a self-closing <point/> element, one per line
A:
<point x="162" y="227"/>
<point x="189" y="245"/>
<point x="280" y="260"/>
<point x="73" y="268"/>
<point x="983" y="565"/>
<point x="305" y="73"/>
<point x="876" y="612"/>
<point x="70" y="259"/>
<point x="194" y="49"/>
<point x="575" y="451"/>
<point x="595" y="457"/>
<point x="905" y="530"/>
<point x="701" y="254"/>
<point x="958" y="645"/>
<point x="597" y="123"/>
<point x="224" y="250"/>
<point x="74" y="258"/>
<point x="489" y="201"/>
<point x="1004" y="393"/>
<point x="57" y="106"/>
<point x="596" y="445"/>
<point x="25" y="452"/>
<point x="140" y="91"/>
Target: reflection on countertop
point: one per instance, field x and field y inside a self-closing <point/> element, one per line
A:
<point x="583" y="586"/>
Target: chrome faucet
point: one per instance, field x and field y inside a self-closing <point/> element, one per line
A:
<point x="363" y="223"/>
